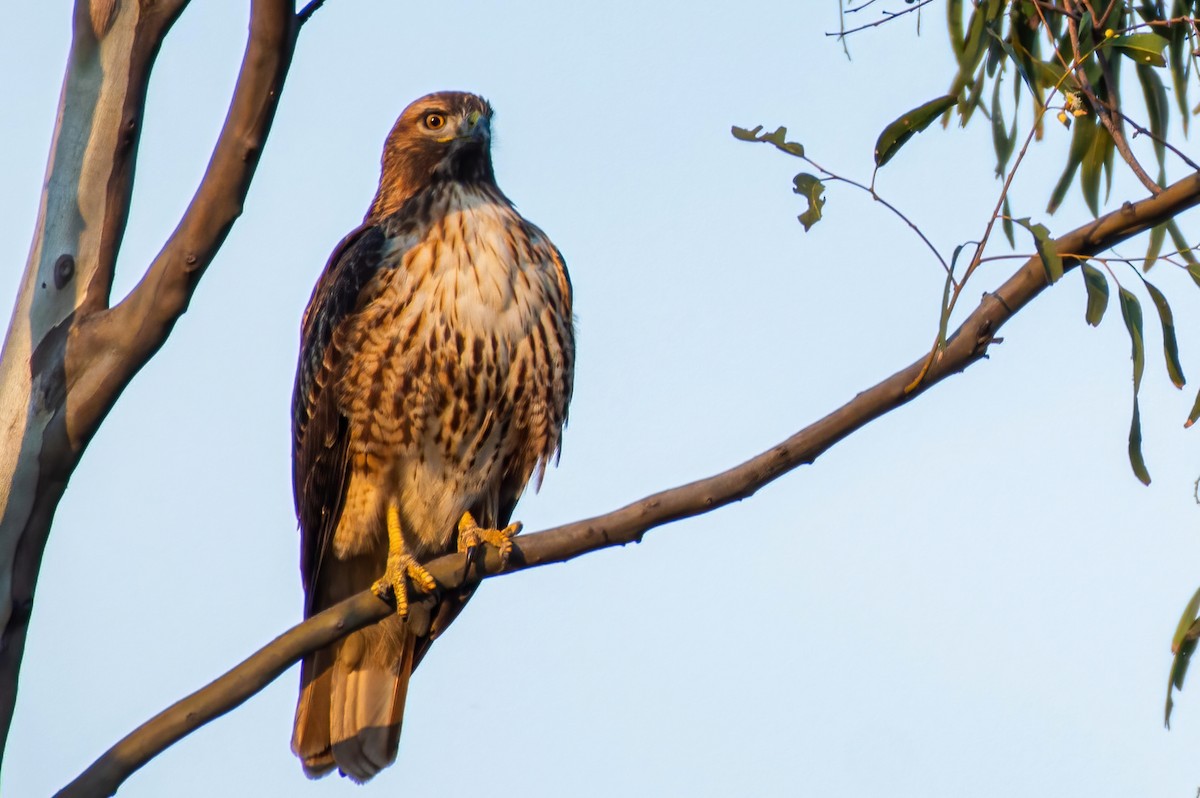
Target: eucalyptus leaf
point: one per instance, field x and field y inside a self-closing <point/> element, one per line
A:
<point x="1097" y="293"/>
<point x="810" y="187"/>
<point x="1187" y="633"/>
<point x="1131" y="312"/>
<point x="1170" y="344"/>
<point x="900" y="131"/>
<point x="1144" y="48"/>
<point x="1158" y="108"/>
<point x="1046" y="248"/>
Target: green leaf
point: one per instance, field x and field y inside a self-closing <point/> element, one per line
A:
<point x="1131" y="312"/>
<point x="1006" y="223"/>
<point x="1046" y="249"/>
<point x="1190" y="613"/>
<point x="1185" y="249"/>
<point x="746" y="135"/>
<point x="900" y="131"/>
<point x="1053" y="74"/>
<point x="1145" y="48"/>
<point x="954" y="22"/>
<point x="778" y="138"/>
<point x="1194" y="415"/>
<point x="1093" y="163"/>
<point x="1001" y="140"/>
<point x="1081" y="144"/>
<point x="1180" y="62"/>
<point x="1157" y="106"/>
<point x="1157" y="236"/>
<point x="974" y="46"/>
<point x="810" y="187"/>
<point x="1187" y="633"/>
<point x="1170" y="344"/>
<point x="1021" y="65"/>
<point x="1097" y="293"/>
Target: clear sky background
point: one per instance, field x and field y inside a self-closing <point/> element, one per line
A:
<point x="972" y="596"/>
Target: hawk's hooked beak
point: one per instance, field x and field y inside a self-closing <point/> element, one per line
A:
<point x="474" y="126"/>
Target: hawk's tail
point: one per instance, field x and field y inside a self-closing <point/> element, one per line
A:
<point x="351" y="706"/>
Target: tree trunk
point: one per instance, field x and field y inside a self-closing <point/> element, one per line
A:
<point x="68" y="354"/>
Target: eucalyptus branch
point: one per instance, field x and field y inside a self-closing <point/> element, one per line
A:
<point x="966" y="346"/>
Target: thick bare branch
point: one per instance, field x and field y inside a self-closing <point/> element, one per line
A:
<point x="628" y="524"/>
<point x="110" y="347"/>
<point x="67" y="355"/>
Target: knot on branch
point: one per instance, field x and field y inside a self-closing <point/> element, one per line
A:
<point x="64" y="270"/>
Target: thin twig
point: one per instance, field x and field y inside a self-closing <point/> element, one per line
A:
<point x="1141" y="131"/>
<point x="888" y="17"/>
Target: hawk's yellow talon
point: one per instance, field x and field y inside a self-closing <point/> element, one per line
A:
<point x="401" y="567"/>
<point x="471" y="534"/>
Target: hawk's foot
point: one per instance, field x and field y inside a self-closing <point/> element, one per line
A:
<point x="401" y="567"/>
<point x="471" y="534"/>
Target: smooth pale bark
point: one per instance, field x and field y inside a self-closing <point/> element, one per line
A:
<point x="966" y="346"/>
<point x="68" y="354"/>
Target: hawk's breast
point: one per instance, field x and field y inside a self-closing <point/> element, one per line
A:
<point x="462" y="371"/>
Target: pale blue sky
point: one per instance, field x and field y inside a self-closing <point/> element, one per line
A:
<point x="973" y="596"/>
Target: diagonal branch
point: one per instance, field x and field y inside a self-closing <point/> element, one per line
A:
<point x="628" y="524"/>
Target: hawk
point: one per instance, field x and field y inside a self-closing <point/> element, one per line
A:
<point x="436" y="364"/>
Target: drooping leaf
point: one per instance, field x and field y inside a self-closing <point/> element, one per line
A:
<point x="1187" y="633"/>
<point x="1081" y="143"/>
<point x="1158" y="109"/>
<point x="974" y="46"/>
<point x="810" y="187"/>
<point x="1131" y="312"/>
<point x="1006" y="223"/>
<point x="1170" y="344"/>
<point x="1157" y="236"/>
<point x="1144" y="48"/>
<point x="1185" y="250"/>
<point x="1194" y="415"/>
<point x="900" y="131"/>
<point x="1046" y="249"/>
<point x="1180" y="63"/>
<point x="954" y="22"/>
<point x="1097" y="293"/>
<point x="1093" y="163"/>
<point x="1001" y="140"/>
<point x="1190" y="613"/>
<point x="1022" y="61"/>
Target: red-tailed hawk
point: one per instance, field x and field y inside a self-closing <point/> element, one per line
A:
<point x="436" y="365"/>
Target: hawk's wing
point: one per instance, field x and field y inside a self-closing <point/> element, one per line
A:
<point x="320" y="436"/>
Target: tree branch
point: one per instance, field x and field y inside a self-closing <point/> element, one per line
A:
<point x="67" y="355"/>
<point x="628" y="524"/>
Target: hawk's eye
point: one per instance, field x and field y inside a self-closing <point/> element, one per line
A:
<point x="435" y="121"/>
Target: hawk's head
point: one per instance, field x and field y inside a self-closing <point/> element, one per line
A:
<point x="442" y="136"/>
